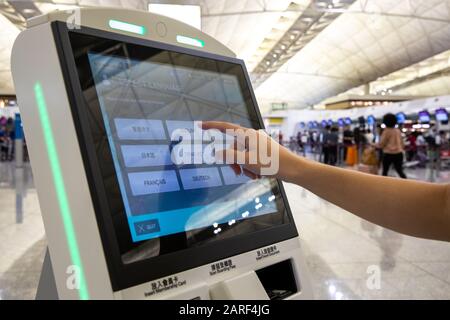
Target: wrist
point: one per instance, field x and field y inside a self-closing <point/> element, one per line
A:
<point x="291" y="167"/>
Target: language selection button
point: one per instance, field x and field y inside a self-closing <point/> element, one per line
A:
<point x="231" y="178"/>
<point x="139" y="129"/>
<point x="174" y="125"/>
<point x="146" y="155"/>
<point x="149" y="182"/>
<point x="190" y="130"/>
<point x="200" y="178"/>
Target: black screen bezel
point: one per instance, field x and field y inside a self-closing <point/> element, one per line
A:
<point x="127" y="275"/>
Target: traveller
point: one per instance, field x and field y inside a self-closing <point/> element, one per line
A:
<point x="331" y="141"/>
<point x="324" y="141"/>
<point x="348" y="140"/>
<point x="391" y="142"/>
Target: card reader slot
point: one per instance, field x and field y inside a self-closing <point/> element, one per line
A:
<point x="278" y="280"/>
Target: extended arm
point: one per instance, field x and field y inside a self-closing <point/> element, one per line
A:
<point x="414" y="208"/>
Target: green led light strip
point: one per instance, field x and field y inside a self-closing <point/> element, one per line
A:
<point x="190" y="41"/>
<point x="128" y="27"/>
<point x="60" y="189"/>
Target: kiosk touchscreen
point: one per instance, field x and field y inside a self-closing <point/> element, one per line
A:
<point x="103" y="123"/>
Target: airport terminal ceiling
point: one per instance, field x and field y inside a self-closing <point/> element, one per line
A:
<point x="312" y="50"/>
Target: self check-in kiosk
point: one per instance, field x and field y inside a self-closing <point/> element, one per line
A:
<point x="100" y="101"/>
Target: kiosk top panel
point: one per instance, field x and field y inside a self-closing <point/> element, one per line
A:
<point x="140" y="24"/>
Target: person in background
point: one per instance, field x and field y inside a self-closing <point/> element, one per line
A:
<point x="420" y="140"/>
<point x="391" y="142"/>
<point x="369" y="137"/>
<point x="421" y="154"/>
<point x="414" y="208"/>
<point x="324" y="141"/>
<point x="304" y="141"/>
<point x="3" y="143"/>
<point x="10" y="130"/>
<point x="441" y="139"/>
<point x="378" y="132"/>
<point x="369" y="157"/>
<point x="341" y="148"/>
<point x="433" y="140"/>
<point x="299" y="141"/>
<point x="314" y="141"/>
<point x="332" y="142"/>
<point x="412" y="147"/>
<point x="293" y="146"/>
<point x="358" y="137"/>
<point x="442" y="145"/>
<point x="348" y="140"/>
<point x="280" y="138"/>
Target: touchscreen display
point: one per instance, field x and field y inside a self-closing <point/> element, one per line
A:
<point x="138" y="99"/>
<point x="143" y="103"/>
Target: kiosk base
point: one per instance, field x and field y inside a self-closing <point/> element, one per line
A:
<point x="47" y="286"/>
<point x="275" y="281"/>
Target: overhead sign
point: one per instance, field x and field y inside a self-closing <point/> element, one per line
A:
<point x="276" y="106"/>
<point x="276" y="121"/>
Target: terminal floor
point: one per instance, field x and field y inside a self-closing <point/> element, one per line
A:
<point x="340" y="249"/>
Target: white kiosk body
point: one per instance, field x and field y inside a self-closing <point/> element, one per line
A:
<point x="99" y="103"/>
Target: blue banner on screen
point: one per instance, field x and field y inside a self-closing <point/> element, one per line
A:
<point x="142" y="104"/>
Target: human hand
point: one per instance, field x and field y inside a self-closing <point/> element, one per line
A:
<point x="254" y="153"/>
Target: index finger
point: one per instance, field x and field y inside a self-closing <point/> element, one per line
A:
<point x="221" y="126"/>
